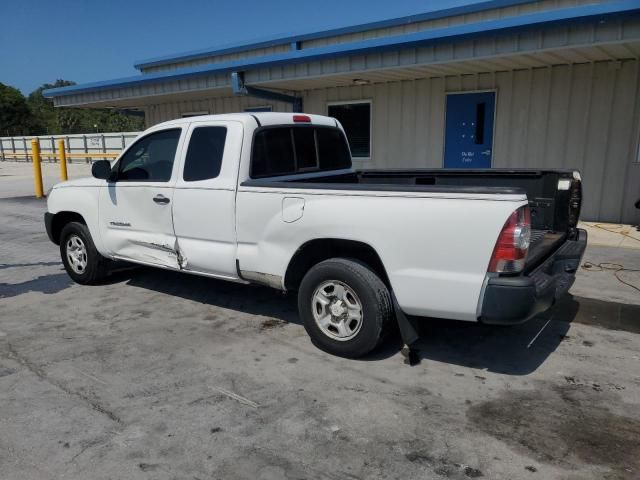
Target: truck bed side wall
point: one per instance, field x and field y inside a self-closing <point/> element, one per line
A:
<point x="435" y="247"/>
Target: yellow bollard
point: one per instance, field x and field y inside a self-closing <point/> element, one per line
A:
<point x="62" y="156"/>
<point x="37" y="170"/>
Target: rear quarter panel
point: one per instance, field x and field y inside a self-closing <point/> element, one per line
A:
<point x="435" y="247"/>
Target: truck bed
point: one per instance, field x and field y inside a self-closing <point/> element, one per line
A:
<point x="554" y="210"/>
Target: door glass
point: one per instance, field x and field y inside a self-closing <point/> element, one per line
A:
<point x="204" y="156"/>
<point x="151" y="158"/>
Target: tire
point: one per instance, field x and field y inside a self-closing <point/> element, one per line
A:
<point x="348" y="284"/>
<point x="77" y="248"/>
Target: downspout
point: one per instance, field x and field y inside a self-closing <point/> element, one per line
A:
<point x="239" y="88"/>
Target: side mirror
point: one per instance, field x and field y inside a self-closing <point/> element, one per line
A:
<point x="101" y="169"/>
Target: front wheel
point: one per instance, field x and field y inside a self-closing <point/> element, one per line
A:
<point x="344" y="306"/>
<point x="79" y="255"/>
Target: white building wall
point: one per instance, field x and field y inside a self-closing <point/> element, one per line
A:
<point x="584" y="116"/>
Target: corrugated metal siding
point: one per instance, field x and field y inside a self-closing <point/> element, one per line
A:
<point x="584" y="116"/>
<point x="167" y="111"/>
<point x="618" y="38"/>
<point x="258" y="52"/>
<point x="449" y="21"/>
<point x="380" y="32"/>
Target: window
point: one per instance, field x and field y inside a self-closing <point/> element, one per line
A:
<point x="273" y="153"/>
<point x="288" y="150"/>
<point x="356" y="121"/>
<point x="204" y="156"/>
<point x="151" y="158"/>
<point x="305" y="143"/>
<point x="332" y="149"/>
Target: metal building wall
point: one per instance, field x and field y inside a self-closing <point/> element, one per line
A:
<point x="168" y="111"/>
<point x="584" y="116"/>
<point x="496" y="13"/>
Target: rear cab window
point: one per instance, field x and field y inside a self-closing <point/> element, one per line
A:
<point x="291" y="149"/>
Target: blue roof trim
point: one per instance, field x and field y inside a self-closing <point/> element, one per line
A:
<point x="279" y="40"/>
<point x="539" y="19"/>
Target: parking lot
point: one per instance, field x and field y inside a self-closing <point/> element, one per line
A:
<point x="160" y="375"/>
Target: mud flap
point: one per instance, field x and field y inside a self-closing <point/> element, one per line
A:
<point x="408" y="333"/>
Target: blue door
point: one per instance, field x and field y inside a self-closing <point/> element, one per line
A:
<point x="468" y="139"/>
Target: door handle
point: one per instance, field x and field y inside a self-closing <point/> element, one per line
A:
<point x="161" y="199"/>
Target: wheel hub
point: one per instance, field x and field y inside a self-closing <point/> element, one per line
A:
<point x="337" y="310"/>
<point x="76" y="254"/>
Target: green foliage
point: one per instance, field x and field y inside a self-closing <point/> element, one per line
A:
<point x="37" y="116"/>
<point x="15" y="117"/>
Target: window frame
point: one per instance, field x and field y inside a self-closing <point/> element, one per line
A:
<point x="357" y="102"/>
<point x="115" y="169"/>
<point x="297" y="170"/>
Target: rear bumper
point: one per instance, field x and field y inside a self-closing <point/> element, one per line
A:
<point x="513" y="300"/>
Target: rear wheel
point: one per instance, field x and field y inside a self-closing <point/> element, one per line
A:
<point x="79" y="255"/>
<point x="345" y="307"/>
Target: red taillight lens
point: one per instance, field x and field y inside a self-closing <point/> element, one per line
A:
<point x="302" y="118"/>
<point x="511" y="248"/>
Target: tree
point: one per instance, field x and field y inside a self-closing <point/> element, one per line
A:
<point x="15" y="116"/>
<point x="60" y="120"/>
<point x="45" y="115"/>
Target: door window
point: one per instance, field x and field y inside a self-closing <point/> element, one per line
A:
<point x="204" y="156"/>
<point x="151" y="158"/>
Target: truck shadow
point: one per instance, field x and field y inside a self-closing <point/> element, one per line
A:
<point x="496" y="349"/>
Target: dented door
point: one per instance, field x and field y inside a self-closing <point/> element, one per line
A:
<point x="136" y="208"/>
<point x="205" y="195"/>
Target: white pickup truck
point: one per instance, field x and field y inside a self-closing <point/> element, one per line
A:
<point x="272" y="198"/>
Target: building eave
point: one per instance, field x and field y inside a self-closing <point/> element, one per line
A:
<point x="601" y="12"/>
<point x="289" y="39"/>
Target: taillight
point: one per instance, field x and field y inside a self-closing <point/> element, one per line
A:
<point x="511" y="248"/>
<point x="302" y="118"/>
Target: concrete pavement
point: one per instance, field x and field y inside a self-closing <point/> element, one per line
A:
<point x="159" y="375"/>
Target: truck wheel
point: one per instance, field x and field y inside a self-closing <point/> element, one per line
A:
<point x="344" y="307"/>
<point x="81" y="260"/>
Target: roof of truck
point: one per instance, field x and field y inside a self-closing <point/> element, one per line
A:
<point x="262" y="118"/>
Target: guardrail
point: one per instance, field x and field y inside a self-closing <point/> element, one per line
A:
<point x="60" y="154"/>
<point x="91" y="146"/>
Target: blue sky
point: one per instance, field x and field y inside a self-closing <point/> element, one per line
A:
<point x="83" y="41"/>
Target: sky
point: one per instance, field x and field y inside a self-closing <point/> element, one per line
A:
<point x="85" y="41"/>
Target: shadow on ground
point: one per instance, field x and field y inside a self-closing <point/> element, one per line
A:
<point x="505" y="350"/>
<point x="496" y="349"/>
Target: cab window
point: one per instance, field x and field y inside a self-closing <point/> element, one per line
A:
<point x="204" y="156"/>
<point x="151" y="158"/>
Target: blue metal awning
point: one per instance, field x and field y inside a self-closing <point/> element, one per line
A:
<point x="599" y="12"/>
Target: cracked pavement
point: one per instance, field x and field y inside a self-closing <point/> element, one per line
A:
<point x="157" y="375"/>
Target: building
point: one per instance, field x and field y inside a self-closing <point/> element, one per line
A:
<point x="497" y="83"/>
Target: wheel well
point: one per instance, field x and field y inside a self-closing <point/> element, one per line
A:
<point x="315" y="251"/>
<point x="60" y="219"/>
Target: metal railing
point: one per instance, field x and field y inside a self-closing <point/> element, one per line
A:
<point x="98" y="146"/>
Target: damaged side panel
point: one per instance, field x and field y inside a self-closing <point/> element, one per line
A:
<point x="135" y="227"/>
